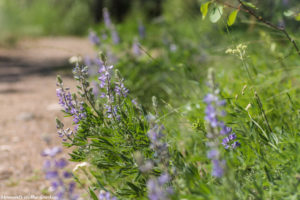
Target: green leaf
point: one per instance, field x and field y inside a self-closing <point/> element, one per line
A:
<point x="204" y="9"/>
<point x="93" y="195"/>
<point x="297" y="17"/>
<point x="248" y="4"/>
<point x="232" y="17"/>
<point x="134" y="187"/>
<point x="216" y="14"/>
<point x="288" y="13"/>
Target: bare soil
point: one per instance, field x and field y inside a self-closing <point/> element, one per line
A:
<point x="28" y="108"/>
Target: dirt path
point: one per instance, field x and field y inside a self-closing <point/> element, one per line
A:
<point x="29" y="106"/>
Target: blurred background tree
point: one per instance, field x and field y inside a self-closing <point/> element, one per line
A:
<point x="54" y="17"/>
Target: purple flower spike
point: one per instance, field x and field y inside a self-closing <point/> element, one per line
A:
<point x="225" y="130"/>
<point x="94" y="38"/>
<point x="142" y="30"/>
<point x="53" y="171"/>
<point x="209" y="98"/>
<point x="61" y="163"/>
<point x="103" y="195"/>
<point x="51" y="174"/>
<point x="218" y="168"/>
<point x="212" y="154"/>
<point x="163" y="179"/>
<point x="115" y="36"/>
<point x="51" y="152"/>
<point x="236" y="144"/>
<point x="232" y="136"/>
<point x="106" y="18"/>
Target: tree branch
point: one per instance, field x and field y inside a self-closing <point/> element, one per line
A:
<point x="244" y="8"/>
<point x="259" y="18"/>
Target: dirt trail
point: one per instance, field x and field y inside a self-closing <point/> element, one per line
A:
<point x="29" y="106"/>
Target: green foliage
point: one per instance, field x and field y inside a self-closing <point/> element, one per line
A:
<point x="204" y="9"/>
<point x="216" y="13"/>
<point x="232" y="17"/>
<point x="257" y="73"/>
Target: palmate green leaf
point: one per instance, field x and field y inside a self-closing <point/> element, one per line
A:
<point x="204" y="9"/>
<point x="232" y="17"/>
<point x="216" y="14"/>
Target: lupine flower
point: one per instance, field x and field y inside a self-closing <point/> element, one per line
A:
<point x="120" y="88"/>
<point x="70" y="106"/>
<point x="106" y="18"/>
<point x="229" y="142"/>
<point x="160" y="148"/>
<point x="105" y="76"/>
<point x="157" y="188"/>
<point x="142" y="30"/>
<point x="115" y="35"/>
<point x="106" y="196"/>
<point x="61" y="186"/>
<point x="173" y="47"/>
<point x="217" y="129"/>
<point x="218" y="168"/>
<point x="94" y="38"/>
<point x="211" y="116"/>
<point x="135" y="48"/>
<point x="105" y="83"/>
<point x="95" y="89"/>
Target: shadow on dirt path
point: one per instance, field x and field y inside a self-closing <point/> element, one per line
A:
<point x="43" y="56"/>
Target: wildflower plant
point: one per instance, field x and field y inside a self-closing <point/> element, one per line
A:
<point x="110" y="129"/>
<point x="216" y="129"/>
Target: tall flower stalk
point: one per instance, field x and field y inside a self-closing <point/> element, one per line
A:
<point x="55" y="172"/>
<point x="216" y="128"/>
<point x="158" y="187"/>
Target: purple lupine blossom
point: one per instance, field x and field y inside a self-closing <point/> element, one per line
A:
<point x="51" y="152"/>
<point x="87" y="61"/>
<point x="115" y="36"/>
<point x="157" y="188"/>
<point x="106" y="196"/>
<point x="212" y="115"/>
<point x="173" y="47"/>
<point x="70" y="106"/>
<point x="107" y="21"/>
<point x="105" y="76"/>
<point x="61" y="185"/>
<point x="135" y="48"/>
<point x="106" y="18"/>
<point x="95" y="89"/>
<point x="229" y="142"/>
<point x="94" y="38"/>
<point x="218" y="168"/>
<point x="142" y="30"/>
<point x="120" y="88"/>
<point x="105" y="83"/>
<point x="160" y="148"/>
<point x="216" y="129"/>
